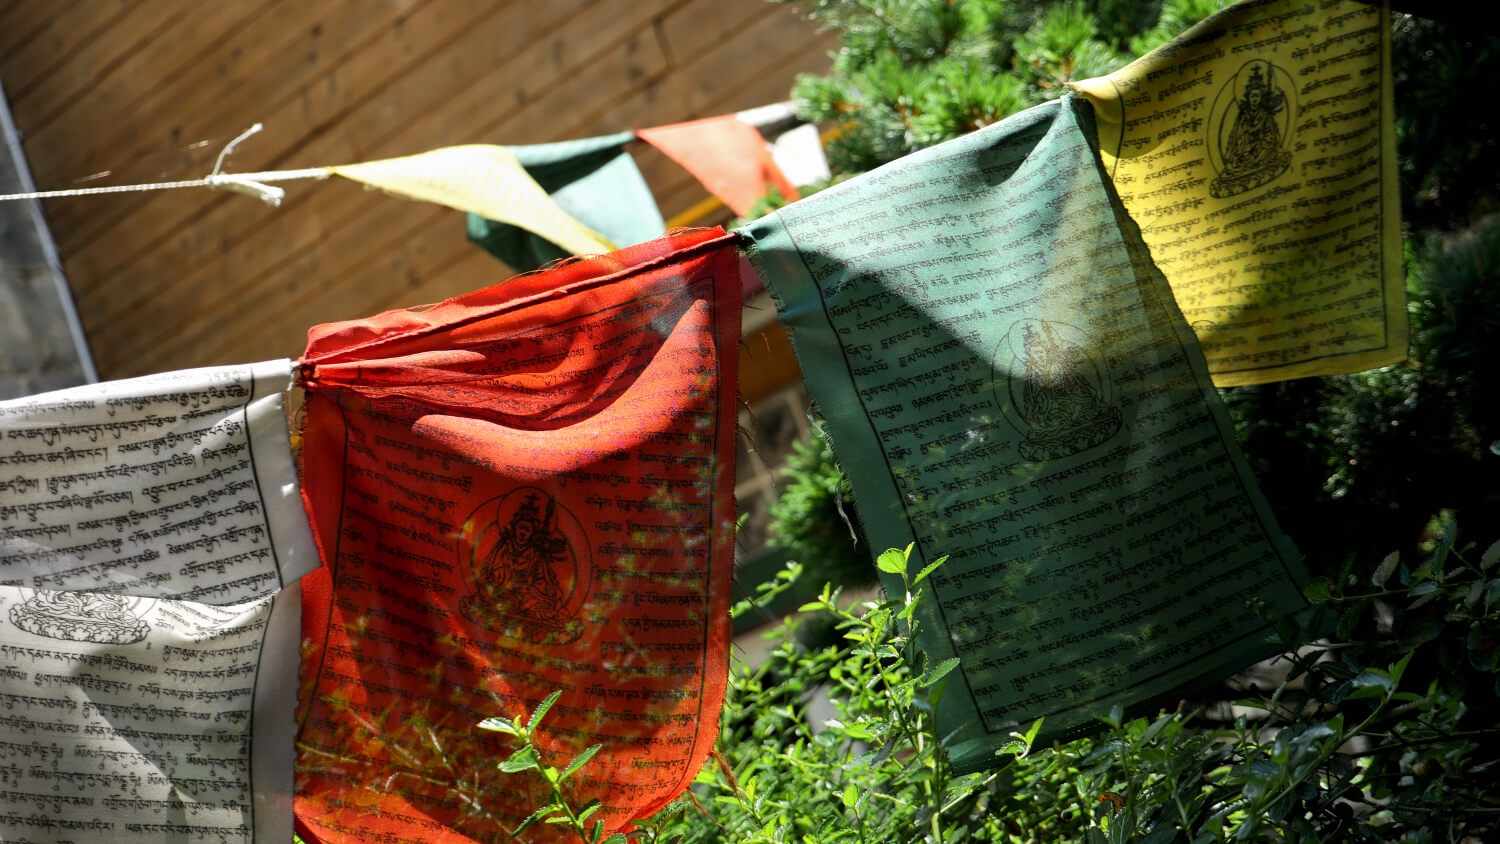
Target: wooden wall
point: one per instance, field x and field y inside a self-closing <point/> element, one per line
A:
<point x="145" y="90"/>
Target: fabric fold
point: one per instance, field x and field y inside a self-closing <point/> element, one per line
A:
<point x="524" y="490"/>
<point x="595" y="180"/>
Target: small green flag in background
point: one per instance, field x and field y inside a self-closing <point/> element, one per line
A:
<point x="593" y="179"/>
<point x="1007" y="381"/>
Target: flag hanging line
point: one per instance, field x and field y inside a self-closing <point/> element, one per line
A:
<point x="250" y="184"/>
<point x="258" y="184"/>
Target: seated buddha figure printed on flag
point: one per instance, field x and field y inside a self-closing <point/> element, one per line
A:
<point x="527" y="559"/>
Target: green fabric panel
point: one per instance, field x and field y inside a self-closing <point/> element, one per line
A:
<point x="595" y="180"/>
<point x="1008" y="382"/>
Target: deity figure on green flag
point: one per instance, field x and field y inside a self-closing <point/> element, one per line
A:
<point x="1062" y="396"/>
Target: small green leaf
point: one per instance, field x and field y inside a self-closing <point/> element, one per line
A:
<point x="931" y="567"/>
<point x="1014" y="747"/>
<point x="1318" y="591"/>
<point x="499" y="725"/>
<point x="580" y="760"/>
<point x="1384" y="570"/>
<point x="542" y="708"/>
<point x="892" y="562"/>
<point x="539" y="814"/>
<point x="939" y="671"/>
<point x="1156" y="726"/>
<point x="1336" y="670"/>
<point x="521" y="760"/>
<point x="1491" y="556"/>
<point x="1400" y="668"/>
<point x="1349" y="618"/>
<point x="1036" y="727"/>
<point x="851" y="796"/>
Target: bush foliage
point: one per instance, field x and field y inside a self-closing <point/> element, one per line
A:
<point x="1372" y="733"/>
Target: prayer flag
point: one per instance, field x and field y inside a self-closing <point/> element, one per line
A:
<point x="595" y="180"/>
<point x="1008" y="384"/>
<point x="796" y="146"/>
<point x="151" y="537"/>
<point x="1257" y="151"/>
<point x="728" y="156"/>
<point x="523" y="490"/>
<point x="178" y="485"/>
<point x="481" y="179"/>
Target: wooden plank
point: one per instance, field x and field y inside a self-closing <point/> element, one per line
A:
<point x="767" y="363"/>
<point x="531" y="73"/>
<point x="73" y="28"/>
<point x="264" y="63"/>
<point x="334" y="146"/>
<point x="20" y="23"/>
<point x="699" y="26"/>
<point x="474" y="269"/>
<point x="190" y="38"/>
<point x="717" y="80"/>
<point x="84" y="66"/>
<point x="108" y="132"/>
<point x="337" y="80"/>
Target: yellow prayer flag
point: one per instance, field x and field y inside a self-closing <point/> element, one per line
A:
<point x="484" y="179"/>
<point x="1257" y="152"/>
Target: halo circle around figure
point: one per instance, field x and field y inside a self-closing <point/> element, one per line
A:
<point x="525" y="558"/>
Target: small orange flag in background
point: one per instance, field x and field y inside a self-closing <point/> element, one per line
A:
<point x="727" y="155"/>
<point x="524" y="490"/>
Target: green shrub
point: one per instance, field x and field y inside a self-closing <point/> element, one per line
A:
<point x="1381" y="728"/>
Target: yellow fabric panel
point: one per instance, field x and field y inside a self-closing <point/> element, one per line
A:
<point x="484" y="179"/>
<point x="1257" y="153"/>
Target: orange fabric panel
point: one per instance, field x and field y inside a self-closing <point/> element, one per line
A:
<point x="726" y="154"/>
<point x="526" y="489"/>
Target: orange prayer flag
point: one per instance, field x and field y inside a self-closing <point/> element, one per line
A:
<point x="727" y="155"/>
<point x="524" y="490"/>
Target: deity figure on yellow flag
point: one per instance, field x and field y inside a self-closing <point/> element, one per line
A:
<point x="1254" y="149"/>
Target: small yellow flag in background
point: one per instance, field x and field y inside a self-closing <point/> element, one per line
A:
<point x="1257" y="153"/>
<point x="484" y="179"/>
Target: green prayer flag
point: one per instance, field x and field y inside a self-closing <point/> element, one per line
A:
<point x="1007" y="381"/>
<point x="593" y="179"/>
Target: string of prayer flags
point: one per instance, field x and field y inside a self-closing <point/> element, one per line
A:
<point x="480" y="179"/>
<point x="595" y="180"/>
<point x="151" y="538"/>
<point x="525" y="490"/>
<point x="727" y="155"/>
<point x="1008" y="384"/>
<point x="1257" y="151"/>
